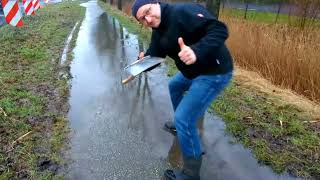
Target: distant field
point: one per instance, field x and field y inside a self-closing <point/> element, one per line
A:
<point x="266" y="17"/>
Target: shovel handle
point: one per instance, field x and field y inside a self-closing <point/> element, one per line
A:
<point x="128" y="79"/>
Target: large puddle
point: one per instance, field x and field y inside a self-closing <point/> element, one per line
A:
<point x="117" y="130"/>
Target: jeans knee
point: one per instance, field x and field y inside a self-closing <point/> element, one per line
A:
<point x="183" y="124"/>
<point x="179" y="122"/>
<point x="172" y="85"/>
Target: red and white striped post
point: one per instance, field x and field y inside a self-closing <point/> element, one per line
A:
<point x="28" y="7"/>
<point x="12" y="12"/>
<point x="36" y="4"/>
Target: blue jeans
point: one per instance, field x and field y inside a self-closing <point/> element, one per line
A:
<point x="190" y="99"/>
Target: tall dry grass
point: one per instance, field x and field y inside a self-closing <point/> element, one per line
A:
<point x="288" y="56"/>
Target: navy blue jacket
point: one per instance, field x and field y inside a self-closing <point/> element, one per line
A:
<point x="200" y="30"/>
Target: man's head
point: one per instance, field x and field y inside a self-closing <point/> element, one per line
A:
<point x="147" y="12"/>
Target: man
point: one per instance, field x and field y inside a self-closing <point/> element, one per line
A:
<point x="194" y="39"/>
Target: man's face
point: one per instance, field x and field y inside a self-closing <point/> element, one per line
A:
<point x="149" y="15"/>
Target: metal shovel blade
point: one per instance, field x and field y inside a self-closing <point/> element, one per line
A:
<point x="143" y="64"/>
<point x="140" y="66"/>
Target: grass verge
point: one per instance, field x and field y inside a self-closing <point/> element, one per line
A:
<point x="278" y="133"/>
<point x="33" y="99"/>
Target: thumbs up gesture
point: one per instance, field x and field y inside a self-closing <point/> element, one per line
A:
<point x="186" y="54"/>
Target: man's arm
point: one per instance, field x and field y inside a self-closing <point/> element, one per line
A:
<point x="155" y="49"/>
<point x="216" y="32"/>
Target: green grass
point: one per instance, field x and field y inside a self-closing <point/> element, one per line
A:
<point x="254" y="119"/>
<point x="266" y="17"/>
<point x="31" y="94"/>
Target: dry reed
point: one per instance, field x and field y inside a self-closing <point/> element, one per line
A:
<point x="287" y="56"/>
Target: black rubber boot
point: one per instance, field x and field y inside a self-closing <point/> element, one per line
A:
<point x="169" y="127"/>
<point x="190" y="170"/>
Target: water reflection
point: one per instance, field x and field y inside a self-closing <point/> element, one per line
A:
<point x="174" y="154"/>
<point x="105" y="34"/>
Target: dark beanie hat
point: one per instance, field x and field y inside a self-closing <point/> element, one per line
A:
<point x="138" y="3"/>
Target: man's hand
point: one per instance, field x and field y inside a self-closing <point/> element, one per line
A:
<point x="186" y="54"/>
<point x="141" y="55"/>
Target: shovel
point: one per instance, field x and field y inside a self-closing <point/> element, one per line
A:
<point x="140" y="66"/>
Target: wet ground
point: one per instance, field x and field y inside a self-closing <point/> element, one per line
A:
<point x="117" y="129"/>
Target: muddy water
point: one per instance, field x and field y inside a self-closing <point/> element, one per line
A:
<point x="116" y="129"/>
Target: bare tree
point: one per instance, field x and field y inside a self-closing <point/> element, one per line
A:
<point x="120" y="5"/>
<point x="246" y="10"/>
<point x="213" y="6"/>
<point x="307" y="10"/>
<point x="278" y="12"/>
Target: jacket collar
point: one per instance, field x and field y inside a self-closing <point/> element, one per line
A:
<point x="164" y="15"/>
